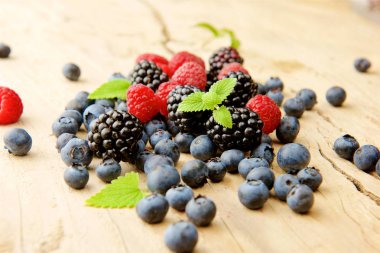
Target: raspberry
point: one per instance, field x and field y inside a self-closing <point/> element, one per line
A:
<point x="10" y="106"/>
<point x="232" y="67"/>
<point x="191" y="73"/>
<point x="142" y="102"/>
<point x="158" y="59"/>
<point x="162" y="94"/>
<point x="182" y="57"/>
<point x="268" y="111"/>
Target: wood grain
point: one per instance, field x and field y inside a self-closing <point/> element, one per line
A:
<point x="306" y="43"/>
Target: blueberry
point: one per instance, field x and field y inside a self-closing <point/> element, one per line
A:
<point x="248" y="164"/>
<point x="76" y="177"/>
<point x="346" y="146"/>
<point x="153" y="208"/>
<point x="141" y="159"/>
<point x="145" y="137"/>
<point x="108" y="170"/>
<point x="201" y="211"/>
<point x="253" y="194"/>
<point x="17" y="141"/>
<point x="276" y="96"/>
<point x="366" y="157"/>
<point x="266" y="139"/>
<point x="64" y="125"/>
<point x="178" y="196"/>
<point x="264" y="174"/>
<point x="264" y="150"/>
<point x="63" y="139"/>
<point x="362" y="64"/>
<point x="293" y="157"/>
<point x="108" y="104"/>
<point x="202" y="148"/>
<point x="288" y="129"/>
<point x="216" y="170"/>
<point x="184" y="141"/>
<point x="231" y="158"/>
<point x="80" y="102"/>
<point x="122" y="107"/>
<point x="5" y="50"/>
<point x="71" y="71"/>
<point x="181" y="237"/>
<point x="153" y="125"/>
<point x="336" y="96"/>
<point x="116" y="75"/>
<point x="91" y="113"/>
<point x="261" y="89"/>
<point x="378" y="167"/>
<point x="141" y="145"/>
<point x="155" y="160"/>
<point x="76" y="152"/>
<point x="172" y="128"/>
<point x="159" y="135"/>
<point x="169" y="148"/>
<point x="310" y="177"/>
<point x="73" y="114"/>
<point x="283" y="184"/>
<point x="294" y="107"/>
<point x="194" y="173"/>
<point x="274" y="83"/>
<point x="300" y="198"/>
<point x="309" y="98"/>
<point x="162" y="178"/>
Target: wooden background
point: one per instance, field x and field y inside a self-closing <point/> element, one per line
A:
<point x="307" y="43"/>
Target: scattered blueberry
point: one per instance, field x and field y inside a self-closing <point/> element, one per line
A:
<point x="366" y="157"/>
<point x="73" y="114"/>
<point x="346" y="146"/>
<point x="169" y="148"/>
<point x="153" y="125"/>
<point x="266" y="139"/>
<point x="157" y="136"/>
<point x="194" y="173"/>
<point x="293" y="157"/>
<point x="71" y="71"/>
<point x="155" y="160"/>
<point x="300" y="198"/>
<point x="253" y="194"/>
<point x="108" y="170"/>
<point x="264" y="150"/>
<point x="261" y="89"/>
<point x="141" y="159"/>
<point x="181" y="237"/>
<point x="184" y="141"/>
<point x="294" y="107"/>
<point x="264" y="174"/>
<point x="64" y="125"/>
<point x="63" y="139"/>
<point x="76" y="177"/>
<point x="274" y="83"/>
<point x="283" y="184"/>
<point x="216" y="169"/>
<point x="362" y="64"/>
<point x="288" y="129"/>
<point x="202" y="148"/>
<point x="178" y="196"/>
<point x="310" y="177"/>
<point x="336" y="96"/>
<point x="309" y="98"/>
<point x="172" y="128"/>
<point x="231" y="158"/>
<point x="116" y="75"/>
<point x="76" y="152"/>
<point x="201" y="211"/>
<point x="108" y="104"/>
<point x="153" y="208"/>
<point x="276" y="96"/>
<point x="248" y="164"/>
<point x="17" y="141"/>
<point x="122" y="107"/>
<point x="5" y="50"/>
<point x="162" y="178"/>
<point x="91" y="113"/>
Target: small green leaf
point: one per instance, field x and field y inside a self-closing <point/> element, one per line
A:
<point x="223" y="87"/>
<point x="192" y="103"/>
<point x="223" y="117"/>
<point x="235" y="43"/>
<point x="122" y="192"/>
<point x="209" y="27"/>
<point x="210" y="100"/>
<point x="116" y="88"/>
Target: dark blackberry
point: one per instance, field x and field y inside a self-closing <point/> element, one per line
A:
<point x="211" y="79"/>
<point x="244" y="89"/>
<point x="187" y="122"/>
<point x="244" y="135"/>
<point x="114" y="135"/>
<point x="149" y="74"/>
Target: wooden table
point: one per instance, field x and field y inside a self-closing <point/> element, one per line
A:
<point x="307" y="43"/>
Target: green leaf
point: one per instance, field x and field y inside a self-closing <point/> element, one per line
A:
<point x="122" y="192"/>
<point x="116" y="88"/>
<point x="223" y="117"/>
<point x="210" y="100"/>
<point x="224" y="87"/>
<point x="235" y="43"/>
<point x="192" y="103"/>
<point x="209" y="27"/>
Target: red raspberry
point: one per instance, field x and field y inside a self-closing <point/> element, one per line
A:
<point x="182" y="57"/>
<point x="268" y="111"/>
<point x="142" y="102"/>
<point x="10" y="106"/>
<point x="162" y="94"/>
<point x="152" y="57"/>
<point x="165" y="68"/>
<point x="232" y="67"/>
<point x="191" y="73"/>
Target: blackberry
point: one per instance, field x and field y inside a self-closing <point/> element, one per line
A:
<point x="114" y="135"/>
<point x="149" y="74"/>
<point x="244" y="89"/>
<point x="187" y="122"/>
<point x="244" y="135"/>
<point x="211" y="79"/>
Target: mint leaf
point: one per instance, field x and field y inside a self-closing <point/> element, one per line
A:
<point x="223" y="117"/>
<point x="116" y="88"/>
<point x="210" y="100"/>
<point x="235" y="43"/>
<point x="223" y="88"/>
<point x="192" y="103"/>
<point x="209" y="27"/>
<point x="122" y="192"/>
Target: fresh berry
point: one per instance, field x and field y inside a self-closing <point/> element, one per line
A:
<point x="191" y="73"/>
<point x="141" y="158"/>
<point x="181" y="237"/>
<point x="165" y="69"/>
<point x="142" y="102"/>
<point x="149" y="74"/>
<point x="294" y="107"/>
<point x="182" y="57"/>
<point x="17" y="141"/>
<point x="264" y="174"/>
<point x="172" y="128"/>
<point x="268" y="111"/>
<point x="169" y="148"/>
<point x="231" y="159"/>
<point x="310" y="177"/>
<point x="276" y="96"/>
<point x="265" y="138"/>
<point x="91" y="113"/>
<point x="308" y="97"/>
<point x="378" y="168"/>
<point x="122" y="107"/>
<point x="144" y="137"/>
<point x="140" y="146"/>
<point x="300" y="198"/>
<point x="63" y="139"/>
<point x="116" y="75"/>
<point x="162" y="178"/>
<point x="71" y="71"/>
<point x="245" y="133"/>
<point x="232" y="67"/>
<point x="362" y="64"/>
<point x="162" y="94"/>
<point x="73" y="114"/>
<point x="158" y="136"/>
<point x="264" y="150"/>
<point x="366" y="157"/>
<point x="248" y="164"/>
<point x="274" y="83"/>
<point x="194" y="173"/>
<point x="80" y="102"/>
<point x="216" y="169"/>
<point x="288" y="129"/>
<point x="261" y="89"/>
<point x="293" y="157"/>
<point x="10" y="106"/>
<point x="184" y="141"/>
<point x="283" y="184"/>
<point x="201" y="211"/>
<point x="153" y="125"/>
<point x="153" y="208"/>
<point x="155" y="160"/>
<point x="108" y="104"/>
<point x="244" y="89"/>
<point x="336" y="96"/>
<point x="152" y="57"/>
<point x="202" y="148"/>
<point x="76" y="152"/>
<point x="115" y="135"/>
<point x="5" y="50"/>
<point x="253" y="194"/>
<point x="178" y="196"/>
<point x="108" y="170"/>
<point x="65" y="125"/>
<point x="76" y="177"/>
<point x="346" y="146"/>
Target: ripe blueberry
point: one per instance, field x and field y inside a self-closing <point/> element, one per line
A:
<point x="76" y="177"/>
<point x="231" y="158"/>
<point x="253" y="194"/>
<point x="65" y="125"/>
<point x="178" y="196"/>
<point x="201" y="211"/>
<point x="336" y="96"/>
<point x="184" y="141"/>
<point x="310" y="177"/>
<point x="153" y="208"/>
<point x="194" y="173"/>
<point x="294" y="107"/>
<point x="108" y="170"/>
<point x="202" y="148"/>
<point x="248" y="164"/>
<point x="181" y="237"/>
<point x="288" y="129"/>
<point x="169" y="148"/>
<point x="76" y="152"/>
<point x="162" y="178"/>
<point x="300" y="198"/>
<point x="366" y="157"/>
<point x="17" y="141"/>
<point x="293" y="157"/>
<point x="283" y="184"/>
<point x="216" y="169"/>
<point x="264" y="174"/>
<point x="346" y="146"/>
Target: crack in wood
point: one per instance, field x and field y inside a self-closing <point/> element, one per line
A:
<point x="327" y="119"/>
